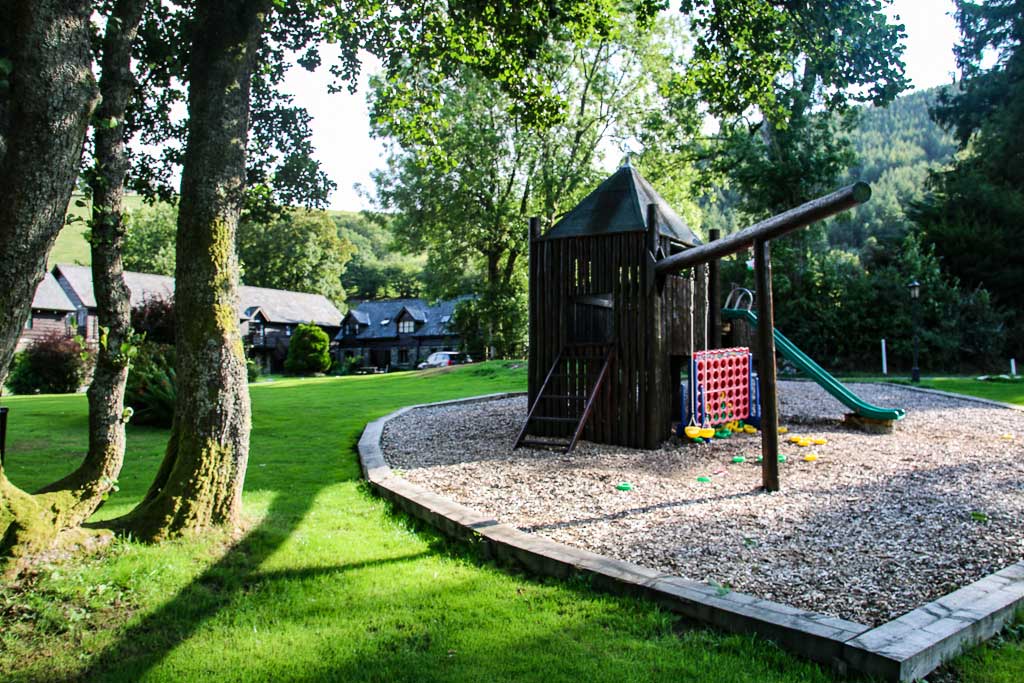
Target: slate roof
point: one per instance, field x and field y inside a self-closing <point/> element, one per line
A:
<point x="276" y="305"/>
<point x="619" y="204"/>
<point x="50" y="296"/>
<point x="436" y="318"/>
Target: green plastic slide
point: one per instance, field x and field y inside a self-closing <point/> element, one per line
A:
<point x="829" y="383"/>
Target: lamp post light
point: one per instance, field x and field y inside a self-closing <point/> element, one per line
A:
<point x="915" y="294"/>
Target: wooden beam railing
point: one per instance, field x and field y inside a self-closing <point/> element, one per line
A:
<point x="777" y="226"/>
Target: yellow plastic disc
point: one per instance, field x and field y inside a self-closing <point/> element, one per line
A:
<point x="749" y="429"/>
<point x="820" y="442"/>
<point x="707" y="432"/>
<point x="811" y="457"/>
<point x="692" y="432"/>
<point x="803" y="443"/>
<point x="783" y="430"/>
<point x="795" y="439"/>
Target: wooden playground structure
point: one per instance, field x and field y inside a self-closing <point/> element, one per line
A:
<point x="613" y="322"/>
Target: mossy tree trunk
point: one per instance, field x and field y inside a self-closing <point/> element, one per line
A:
<point x="45" y="110"/>
<point x="199" y="484"/>
<point x="88" y="485"/>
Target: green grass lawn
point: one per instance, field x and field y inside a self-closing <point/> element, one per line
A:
<point x="327" y="583"/>
<point x="1006" y="392"/>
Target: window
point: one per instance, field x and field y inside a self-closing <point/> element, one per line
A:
<point x="403" y="355"/>
<point x="28" y="323"/>
<point x="287" y="330"/>
<point x="351" y="329"/>
<point x="406" y="326"/>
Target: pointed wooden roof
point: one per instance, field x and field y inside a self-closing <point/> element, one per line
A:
<point x="619" y="204"/>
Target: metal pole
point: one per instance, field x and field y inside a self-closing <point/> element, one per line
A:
<point x="915" y="372"/>
<point x="714" y="296"/>
<point x="766" y="367"/>
<point x="885" y="364"/>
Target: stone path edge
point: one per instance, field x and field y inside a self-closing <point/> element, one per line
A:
<point x="904" y="649"/>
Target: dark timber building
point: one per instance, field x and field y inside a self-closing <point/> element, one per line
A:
<point x="608" y="340"/>
<point x="397" y="333"/>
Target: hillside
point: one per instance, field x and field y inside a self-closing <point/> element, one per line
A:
<point x="71" y="245"/>
<point x="896" y="146"/>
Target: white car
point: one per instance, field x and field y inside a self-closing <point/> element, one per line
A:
<point x="442" y="359"/>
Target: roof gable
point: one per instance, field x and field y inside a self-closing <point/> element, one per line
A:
<point x="50" y="296"/>
<point x="435" y="319"/>
<point x="619" y="204"/>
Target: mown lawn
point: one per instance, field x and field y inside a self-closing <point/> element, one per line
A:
<point x="1007" y="392"/>
<point x="327" y="584"/>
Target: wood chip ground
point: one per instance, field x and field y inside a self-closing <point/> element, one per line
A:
<point x="876" y="526"/>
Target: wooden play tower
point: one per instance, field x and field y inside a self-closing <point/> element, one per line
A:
<point x="608" y="342"/>
<point x="610" y="315"/>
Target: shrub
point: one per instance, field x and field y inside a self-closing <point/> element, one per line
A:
<point x="154" y="317"/>
<point x="346" y="366"/>
<point x="252" y="370"/>
<point x="53" y="364"/>
<point x="151" y="390"/>
<point x="309" y="351"/>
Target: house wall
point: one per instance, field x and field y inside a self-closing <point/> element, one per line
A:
<point x="45" y="323"/>
<point x="417" y="348"/>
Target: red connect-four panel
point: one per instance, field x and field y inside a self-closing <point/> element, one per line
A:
<point x="723" y="378"/>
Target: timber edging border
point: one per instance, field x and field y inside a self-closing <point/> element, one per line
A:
<point x="904" y="649"/>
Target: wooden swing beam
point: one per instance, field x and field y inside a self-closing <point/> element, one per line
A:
<point x="758" y="236"/>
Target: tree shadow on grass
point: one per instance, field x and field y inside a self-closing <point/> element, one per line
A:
<point x="145" y="644"/>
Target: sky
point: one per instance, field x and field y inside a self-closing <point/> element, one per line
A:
<point x="348" y="154"/>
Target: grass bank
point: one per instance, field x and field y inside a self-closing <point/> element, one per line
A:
<point x="326" y="583"/>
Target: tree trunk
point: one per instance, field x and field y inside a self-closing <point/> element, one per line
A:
<point x="199" y="484"/>
<point x="93" y="480"/>
<point x="44" y="115"/>
<point x="43" y="118"/>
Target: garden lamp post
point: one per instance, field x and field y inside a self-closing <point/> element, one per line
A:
<point x="915" y="294"/>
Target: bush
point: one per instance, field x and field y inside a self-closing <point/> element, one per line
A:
<point x="151" y="390"/>
<point x="309" y="351"/>
<point x="346" y="366"/>
<point x="53" y="364"/>
<point x="154" y="317"/>
<point x="252" y="370"/>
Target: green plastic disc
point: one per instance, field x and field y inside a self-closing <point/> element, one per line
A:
<point x="759" y="459"/>
<point x="625" y="486"/>
<point x="738" y="459"/>
<point x="782" y="458"/>
<point x="704" y="480"/>
<point x="698" y="440"/>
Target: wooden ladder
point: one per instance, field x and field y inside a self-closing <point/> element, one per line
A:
<point x="563" y="368"/>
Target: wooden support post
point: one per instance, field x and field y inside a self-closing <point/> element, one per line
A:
<point x="714" y="296"/>
<point x="654" y="358"/>
<point x="532" y="371"/>
<point x="766" y="366"/>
